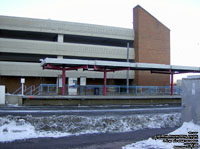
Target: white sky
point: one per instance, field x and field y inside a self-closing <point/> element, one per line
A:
<point x="182" y="17"/>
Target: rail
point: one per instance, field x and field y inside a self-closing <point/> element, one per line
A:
<point x="52" y="89"/>
<point x="32" y="90"/>
<point x="19" y="90"/>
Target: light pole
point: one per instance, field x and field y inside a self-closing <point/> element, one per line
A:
<point x="127" y="73"/>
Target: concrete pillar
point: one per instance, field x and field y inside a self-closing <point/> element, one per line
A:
<point x="60" y="56"/>
<point x="60" y="38"/>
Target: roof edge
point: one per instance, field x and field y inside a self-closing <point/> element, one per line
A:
<point x="138" y="6"/>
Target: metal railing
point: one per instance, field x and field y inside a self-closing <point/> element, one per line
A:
<point x="48" y="89"/>
<point x="52" y="89"/>
<point x="19" y="90"/>
<point x="29" y="91"/>
<point x="32" y="90"/>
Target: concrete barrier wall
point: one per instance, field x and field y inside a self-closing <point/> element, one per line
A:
<point x="99" y="100"/>
<point x="14" y="100"/>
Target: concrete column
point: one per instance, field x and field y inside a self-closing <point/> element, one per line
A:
<point x="60" y="38"/>
<point x="60" y="56"/>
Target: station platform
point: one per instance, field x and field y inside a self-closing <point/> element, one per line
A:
<point x="99" y="100"/>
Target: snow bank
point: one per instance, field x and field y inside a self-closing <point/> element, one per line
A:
<point x="11" y="130"/>
<point x="24" y="127"/>
<point x="159" y="144"/>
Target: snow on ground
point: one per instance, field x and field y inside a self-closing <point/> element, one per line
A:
<point x="12" y="130"/>
<point x="159" y="144"/>
<point x="24" y="127"/>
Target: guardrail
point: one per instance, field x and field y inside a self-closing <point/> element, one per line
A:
<point x="19" y="90"/>
<point x="32" y="90"/>
<point x="51" y="89"/>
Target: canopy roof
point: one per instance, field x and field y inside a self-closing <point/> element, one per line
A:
<point x="112" y="65"/>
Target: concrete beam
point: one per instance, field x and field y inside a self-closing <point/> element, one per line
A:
<point x="35" y="70"/>
<point x="63" y="27"/>
<point x="64" y="49"/>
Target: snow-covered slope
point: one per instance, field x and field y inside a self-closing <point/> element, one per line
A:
<point x="186" y="128"/>
<point x="23" y="127"/>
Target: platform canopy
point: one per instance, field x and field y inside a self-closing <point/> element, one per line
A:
<point x="112" y="66"/>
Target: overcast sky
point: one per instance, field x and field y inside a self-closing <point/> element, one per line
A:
<point x="182" y="17"/>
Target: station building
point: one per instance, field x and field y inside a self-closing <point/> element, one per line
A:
<point x="25" y="41"/>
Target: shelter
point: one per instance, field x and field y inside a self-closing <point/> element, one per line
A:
<point x="112" y="66"/>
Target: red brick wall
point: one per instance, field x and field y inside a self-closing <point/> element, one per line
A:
<point x="152" y="45"/>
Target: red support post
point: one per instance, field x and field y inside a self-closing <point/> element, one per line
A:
<point x="172" y="83"/>
<point x="63" y="81"/>
<point x="104" y="88"/>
